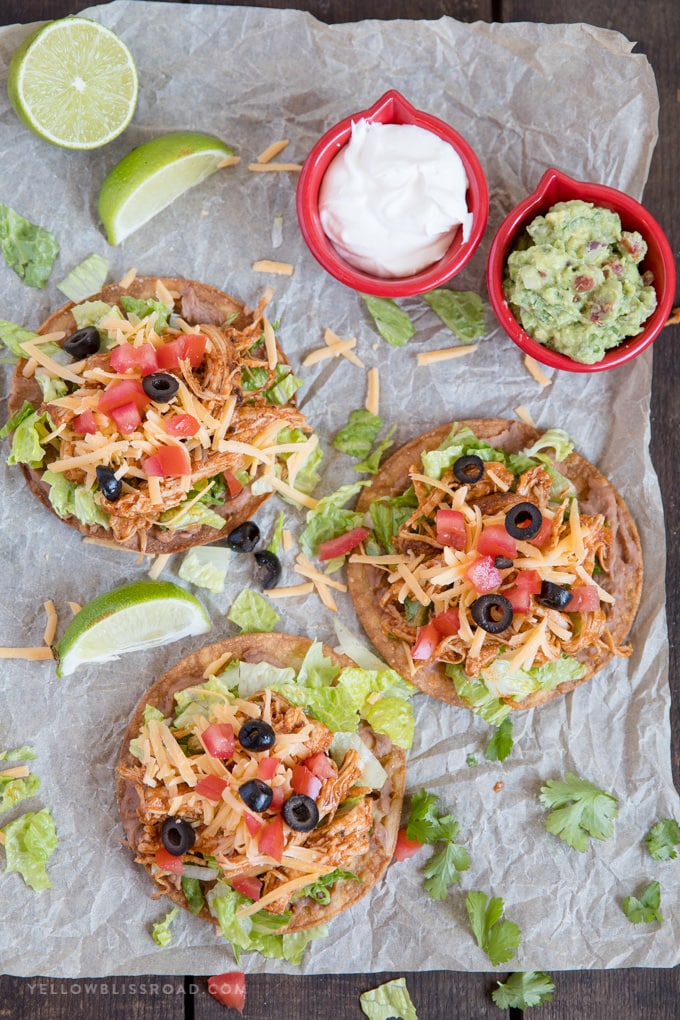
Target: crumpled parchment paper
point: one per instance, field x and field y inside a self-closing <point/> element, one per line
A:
<point x="526" y="97"/>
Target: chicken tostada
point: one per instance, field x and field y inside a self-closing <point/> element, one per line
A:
<point x="155" y="413"/>
<point x="503" y="569"/>
<point x="255" y="793"/>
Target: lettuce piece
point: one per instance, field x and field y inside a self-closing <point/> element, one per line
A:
<point x="252" y="613"/>
<point x="30" y="840"/>
<point x="307" y="477"/>
<point x="461" y="441"/>
<point x="316" y="669"/>
<point x="193" y="892"/>
<point x="144" y="307"/>
<point x="286" y="383"/>
<point x="50" y="387"/>
<point x="15" y="789"/>
<point x="92" y="313"/>
<point x="388" y="1000"/>
<point x="160" y="931"/>
<point x="357" y="437"/>
<point x="68" y="498"/>
<point x="330" y="705"/>
<point x="390" y="320"/>
<point x="329" y="519"/>
<point x="361" y="683"/>
<point x="196" y="701"/>
<point x="206" y="566"/>
<point x="27" y="439"/>
<point x="371" y="464"/>
<point x="552" y="439"/>
<point x="392" y="716"/>
<point x="248" y="677"/>
<point x="389" y="513"/>
<point x="461" y="310"/>
<point x="27" y="248"/>
<point x="88" y="277"/>
<point x="372" y="772"/>
<point x="13" y="336"/>
<point x="258" y="932"/>
<point x="320" y="889"/>
<point x="277" y="535"/>
<point x="477" y="696"/>
<point x="196" y="515"/>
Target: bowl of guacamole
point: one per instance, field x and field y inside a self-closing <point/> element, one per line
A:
<point x="580" y="275"/>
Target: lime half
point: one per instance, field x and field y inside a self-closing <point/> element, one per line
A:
<point x="74" y="83"/>
<point x="136" y="616"/>
<point x="153" y="175"/>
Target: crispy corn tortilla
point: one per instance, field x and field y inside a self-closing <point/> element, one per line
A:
<point x="280" y="650"/>
<point x="595" y="493"/>
<point x="198" y="304"/>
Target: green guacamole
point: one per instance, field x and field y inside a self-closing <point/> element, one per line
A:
<point x="573" y="282"/>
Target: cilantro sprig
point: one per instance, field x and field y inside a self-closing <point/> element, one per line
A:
<point x="647" y="908"/>
<point x="495" y="935"/>
<point x="427" y="826"/>
<point x="662" y="839"/>
<point x="524" y="990"/>
<point x="578" y="810"/>
<point x="501" y="743"/>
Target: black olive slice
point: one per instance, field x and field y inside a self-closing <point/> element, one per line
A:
<point x="523" y="520"/>
<point x="269" y="568"/>
<point x="82" y="343"/>
<point x="256" y="795"/>
<point x="111" y="487"/>
<point x="493" y="613"/>
<point x="244" y="538"/>
<point x="178" y="836"/>
<point x="256" y="735"/>
<point x="554" y="596"/>
<point x="301" y="813"/>
<point x="468" y="470"/>
<point x="502" y="563"/>
<point x="160" y="386"/>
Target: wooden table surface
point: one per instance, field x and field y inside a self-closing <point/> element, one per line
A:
<point x="442" y="995"/>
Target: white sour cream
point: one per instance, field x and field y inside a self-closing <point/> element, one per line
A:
<point x="393" y="198"/>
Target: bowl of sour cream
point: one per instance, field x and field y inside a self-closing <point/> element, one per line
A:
<point x="392" y="201"/>
<point x="580" y="275"/>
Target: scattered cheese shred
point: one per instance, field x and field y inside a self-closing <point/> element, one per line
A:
<point x="16" y="772"/>
<point x="331" y="338"/>
<point x="52" y="621"/>
<point x="535" y="371"/>
<point x="287" y="539"/>
<point x="158" y="565"/>
<point x="306" y="588"/>
<point x="429" y="357"/>
<point x="269" y="266"/>
<point x="270" y="343"/>
<point x="524" y="415"/>
<point x="274" y="167"/>
<point x="267" y="155"/>
<point x="331" y="351"/>
<point x="75" y="607"/>
<point x="127" y="279"/>
<point x="373" y="395"/>
<point x="228" y="161"/>
<point x="31" y="654"/>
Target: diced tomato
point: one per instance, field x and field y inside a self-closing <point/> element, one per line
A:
<point x="127" y="358"/>
<point x="342" y="544"/>
<point x="519" y="599"/>
<point x="267" y="766"/>
<point x="85" y="424"/>
<point x="229" y="989"/>
<point x="167" y="461"/>
<point x="529" y="580"/>
<point x="271" y="838"/>
<point x="123" y="392"/>
<point x="544" y="533"/>
<point x="321" y="765"/>
<point x="211" y="787"/>
<point x="495" y="541"/>
<point x="126" y="417"/>
<point x="427" y="639"/>
<point x="304" y="781"/>
<point x="248" y="885"/>
<point x="447" y="623"/>
<point x="182" y="425"/>
<point x="253" y="824"/>
<point x="233" y="484"/>
<point x="406" y="847"/>
<point x="278" y="797"/>
<point x="450" y="525"/>
<point x="187" y="346"/>
<point x="169" y="862"/>
<point x="218" y="740"/>
<point x="482" y="575"/>
<point x="585" y="598"/>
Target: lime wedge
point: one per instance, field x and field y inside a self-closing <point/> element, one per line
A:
<point x="153" y="175"/>
<point x="139" y="615"/>
<point x="74" y="83"/>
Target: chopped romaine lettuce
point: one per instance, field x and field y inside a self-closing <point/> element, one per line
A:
<point x="206" y="566"/>
<point x="252" y="613"/>
<point x="28" y="249"/>
<point x="328" y="519"/>
<point x="14" y="789"/>
<point x="307" y="476"/>
<point x="245" y="678"/>
<point x="461" y="310"/>
<point x="87" y="278"/>
<point x="68" y="498"/>
<point x="390" y="320"/>
<point x="372" y="772"/>
<point x="357" y="437"/>
<point x="160" y="931"/>
<point x="388" y="1000"/>
<point x="13" y="336"/>
<point x="29" y="841"/>
<point x="257" y="932"/>
<point x="29" y="431"/>
<point x="392" y="716"/>
<point x="277" y="535"/>
<point x="92" y="313"/>
<point x="144" y="307"/>
<point x="50" y="387"/>
<point x="461" y="441"/>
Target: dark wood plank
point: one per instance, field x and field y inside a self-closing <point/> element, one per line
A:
<point x="144" y="998"/>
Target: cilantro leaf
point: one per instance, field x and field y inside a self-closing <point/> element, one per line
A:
<point x="28" y="249"/>
<point x="523" y="990"/>
<point x="390" y="320"/>
<point x="443" y="869"/>
<point x="647" y="908"/>
<point x="501" y="742"/>
<point x="662" y="839"/>
<point x="579" y="810"/>
<point x="461" y="310"/>
<point x="498" y="938"/>
<point x="424" y="823"/>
